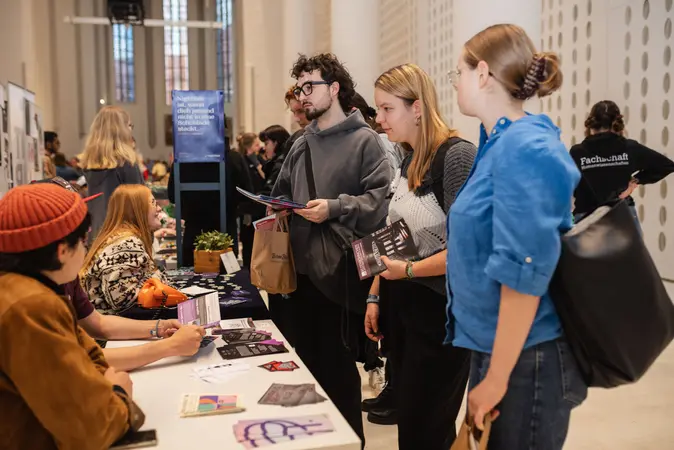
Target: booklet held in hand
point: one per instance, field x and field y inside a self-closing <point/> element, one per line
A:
<point x="394" y="241"/>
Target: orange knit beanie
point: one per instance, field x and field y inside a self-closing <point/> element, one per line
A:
<point x="35" y="215"/>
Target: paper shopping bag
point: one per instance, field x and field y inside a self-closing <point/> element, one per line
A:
<point x="470" y="438"/>
<point x="272" y="267"/>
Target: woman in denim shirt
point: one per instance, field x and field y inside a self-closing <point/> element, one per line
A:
<point x="504" y="233"/>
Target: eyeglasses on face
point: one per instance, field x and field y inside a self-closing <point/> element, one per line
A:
<point x="308" y="88"/>
<point x="454" y="76"/>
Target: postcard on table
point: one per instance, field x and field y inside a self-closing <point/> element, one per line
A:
<point x="195" y="405"/>
<point x="230" y="262"/>
<point x="237" y="324"/>
<point x="203" y="311"/>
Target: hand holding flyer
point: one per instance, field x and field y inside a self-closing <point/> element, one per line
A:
<point x="394" y="241"/>
<point x="272" y="202"/>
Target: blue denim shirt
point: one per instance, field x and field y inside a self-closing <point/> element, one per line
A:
<point x="505" y="227"/>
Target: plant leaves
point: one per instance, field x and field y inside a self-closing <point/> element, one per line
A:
<point x="213" y="240"/>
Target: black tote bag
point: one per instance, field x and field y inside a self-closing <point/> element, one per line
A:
<point x="613" y="305"/>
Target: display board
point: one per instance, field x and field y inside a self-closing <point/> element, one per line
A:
<point x="25" y="136"/>
<point x="5" y="162"/>
<point x="198" y="137"/>
<point x="198" y="126"/>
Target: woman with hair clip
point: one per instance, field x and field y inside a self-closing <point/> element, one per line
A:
<point x="430" y="377"/>
<point x="109" y="160"/>
<point x="120" y="260"/>
<point x="611" y="165"/>
<point x="505" y="232"/>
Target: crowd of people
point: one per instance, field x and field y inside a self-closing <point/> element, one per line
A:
<point x="472" y="310"/>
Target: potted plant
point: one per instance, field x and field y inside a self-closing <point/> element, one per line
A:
<point x="208" y="247"/>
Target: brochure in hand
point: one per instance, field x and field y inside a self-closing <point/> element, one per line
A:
<point x="275" y="203"/>
<point x="394" y="241"/>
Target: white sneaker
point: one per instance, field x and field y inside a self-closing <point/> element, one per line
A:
<point x="377" y="380"/>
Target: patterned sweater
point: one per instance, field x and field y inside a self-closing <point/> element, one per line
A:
<point x="117" y="274"/>
<point x="421" y="210"/>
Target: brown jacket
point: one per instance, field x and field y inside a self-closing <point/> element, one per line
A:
<point x="52" y="390"/>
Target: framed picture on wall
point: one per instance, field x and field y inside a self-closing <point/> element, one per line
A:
<point x="168" y="129"/>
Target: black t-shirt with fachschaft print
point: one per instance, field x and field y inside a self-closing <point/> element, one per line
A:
<point x="607" y="162"/>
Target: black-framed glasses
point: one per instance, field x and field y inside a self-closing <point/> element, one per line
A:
<point x="307" y="88"/>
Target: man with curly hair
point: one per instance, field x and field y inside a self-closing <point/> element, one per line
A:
<point x="351" y="174"/>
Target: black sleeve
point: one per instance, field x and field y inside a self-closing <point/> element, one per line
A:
<point x="240" y="174"/>
<point x="574" y="154"/>
<point x="241" y="178"/>
<point x="652" y="166"/>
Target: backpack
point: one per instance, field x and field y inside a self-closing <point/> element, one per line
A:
<point x="438" y="169"/>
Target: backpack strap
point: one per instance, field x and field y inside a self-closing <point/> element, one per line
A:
<point x="309" y="170"/>
<point x="438" y="169"/>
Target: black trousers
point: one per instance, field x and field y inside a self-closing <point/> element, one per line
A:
<point x="280" y="312"/>
<point x="320" y="330"/>
<point x="430" y="378"/>
<point x="247" y="234"/>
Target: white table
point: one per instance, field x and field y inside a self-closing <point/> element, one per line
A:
<point x="159" y="387"/>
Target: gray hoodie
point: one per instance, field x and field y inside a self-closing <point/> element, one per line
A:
<point x="351" y="171"/>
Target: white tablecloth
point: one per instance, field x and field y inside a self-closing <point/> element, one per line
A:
<point x="159" y="387"/>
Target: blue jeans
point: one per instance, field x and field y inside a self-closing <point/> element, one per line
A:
<point x="544" y="387"/>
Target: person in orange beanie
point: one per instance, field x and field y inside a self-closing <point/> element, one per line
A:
<point x="53" y="377"/>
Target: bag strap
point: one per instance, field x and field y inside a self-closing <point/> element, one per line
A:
<point x="438" y="169"/>
<point x="309" y="170"/>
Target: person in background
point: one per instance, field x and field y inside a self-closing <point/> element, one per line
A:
<point x="160" y="174"/>
<point x="384" y="403"/>
<point x="75" y="163"/>
<point x="144" y="171"/>
<point x="109" y="160"/>
<point x="611" y="165"/>
<point x="275" y="139"/>
<point x="295" y="107"/>
<point x="430" y="377"/>
<point x="56" y="388"/>
<point x="504" y="232"/>
<point x="64" y="170"/>
<point x="352" y="177"/>
<point x="120" y="260"/>
<point x="299" y="116"/>
<point x="52" y="145"/>
<point x="250" y="211"/>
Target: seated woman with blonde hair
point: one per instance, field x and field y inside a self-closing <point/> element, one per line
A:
<point x="120" y="260"/>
